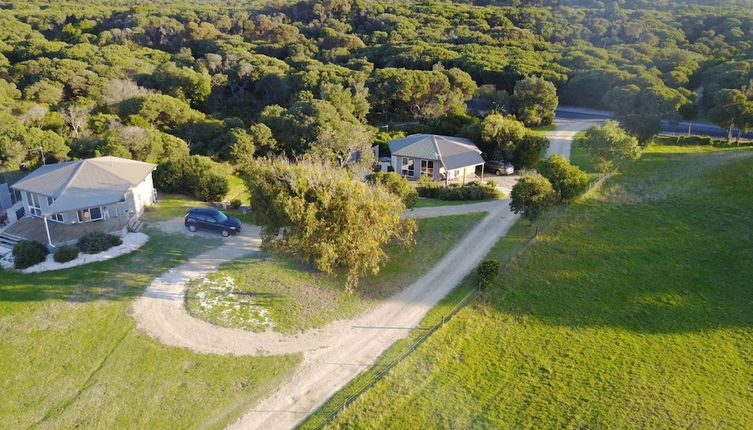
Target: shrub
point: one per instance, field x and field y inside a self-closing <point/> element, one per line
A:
<point x="27" y="253"/>
<point x="487" y="271"/>
<point x="475" y="190"/>
<point x="65" y="254"/>
<point x="567" y="180"/>
<point x="397" y="185"/>
<point x="531" y="196"/>
<point x="115" y="240"/>
<point x="96" y="242"/>
<point x="235" y="203"/>
<point x="195" y="175"/>
<point x="428" y="188"/>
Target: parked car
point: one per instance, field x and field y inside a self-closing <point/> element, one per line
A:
<point x="211" y="219"/>
<point x="499" y="167"/>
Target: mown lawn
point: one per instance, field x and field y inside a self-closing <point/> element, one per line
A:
<point x="631" y="310"/>
<point x="279" y="293"/>
<point x="73" y="357"/>
<point x="171" y="206"/>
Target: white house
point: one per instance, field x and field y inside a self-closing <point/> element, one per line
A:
<point x="438" y="157"/>
<point x="106" y="192"/>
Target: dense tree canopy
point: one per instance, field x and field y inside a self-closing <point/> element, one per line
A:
<point x="320" y="74"/>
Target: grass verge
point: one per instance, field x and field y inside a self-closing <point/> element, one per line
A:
<point x="632" y="309"/>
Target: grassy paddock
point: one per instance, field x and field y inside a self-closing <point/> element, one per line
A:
<point x="632" y="309"/>
<point x="72" y="356"/>
<point x="511" y="244"/>
<point x="264" y="292"/>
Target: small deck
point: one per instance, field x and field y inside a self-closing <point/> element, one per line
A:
<point x="33" y="229"/>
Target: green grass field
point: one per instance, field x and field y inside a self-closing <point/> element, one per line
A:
<point x="279" y="293"/>
<point x="176" y="205"/>
<point x="631" y="310"/>
<point x="73" y="357"/>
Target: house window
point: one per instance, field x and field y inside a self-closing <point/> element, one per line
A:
<point x="409" y="167"/>
<point x="15" y="196"/>
<point x="427" y="168"/>
<point x="91" y="214"/>
<point x="50" y="200"/>
<point x="57" y="217"/>
<point x="34" y="207"/>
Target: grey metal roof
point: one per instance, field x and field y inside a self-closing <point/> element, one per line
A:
<point x="85" y="183"/>
<point x="453" y="152"/>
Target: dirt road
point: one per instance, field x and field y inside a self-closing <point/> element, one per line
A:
<point x="561" y="139"/>
<point x="336" y="353"/>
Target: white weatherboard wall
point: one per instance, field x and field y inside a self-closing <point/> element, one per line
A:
<point x="141" y="195"/>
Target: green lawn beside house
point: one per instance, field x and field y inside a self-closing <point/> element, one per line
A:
<point x="72" y="356"/>
<point x="630" y="310"/>
<point x="276" y="292"/>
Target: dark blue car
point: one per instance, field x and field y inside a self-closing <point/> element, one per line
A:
<point x="212" y="219"/>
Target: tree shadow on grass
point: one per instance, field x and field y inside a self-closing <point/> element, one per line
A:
<point x="682" y="263"/>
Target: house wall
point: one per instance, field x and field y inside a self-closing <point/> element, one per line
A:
<point x="5" y="200"/>
<point x="44" y="204"/>
<point x="141" y="196"/>
<point x="470" y="173"/>
<point x="398" y="166"/>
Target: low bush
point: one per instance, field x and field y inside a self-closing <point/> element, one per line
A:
<point x="196" y="175"/>
<point x="428" y="188"/>
<point x="65" y="254"/>
<point x="96" y="242"/>
<point x="115" y="240"/>
<point x="684" y="140"/>
<point x="235" y="203"/>
<point x="475" y="190"/>
<point x="487" y="272"/>
<point x="27" y="253"/>
<point x="699" y="141"/>
<point x="397" y="185"/>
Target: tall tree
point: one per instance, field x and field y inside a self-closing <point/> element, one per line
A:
<point x="609" y="143"/>
<point x="301" y="207"/>
<point x="534" y="101"/>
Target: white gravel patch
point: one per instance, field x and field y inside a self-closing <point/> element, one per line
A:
<point x="220" y="297"/>
<point x="131" y="242"/>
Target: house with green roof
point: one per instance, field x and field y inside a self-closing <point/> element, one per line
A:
<point x="442" y="158"/>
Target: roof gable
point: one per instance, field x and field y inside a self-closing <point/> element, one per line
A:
<point x="82" y="183"/>
<point x="453" y="152"/>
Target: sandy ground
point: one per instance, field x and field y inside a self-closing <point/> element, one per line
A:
<point x="336" y="353"/>
<point x="131" y="242"/>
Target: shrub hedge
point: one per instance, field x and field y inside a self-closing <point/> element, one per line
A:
<point x="196" y="175"/>
<point x="27" y="253"/>
<point x="397" y="185"/>
<point x="475" y="190"/>
<point x="96" y="242"/>
<point x="65" y="254"/>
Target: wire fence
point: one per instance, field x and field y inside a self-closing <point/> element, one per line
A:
<point x="328" y="412"/>
<point x="322" y="417"/>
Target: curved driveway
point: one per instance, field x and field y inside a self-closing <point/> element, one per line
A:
<point x="336" y="353"/>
